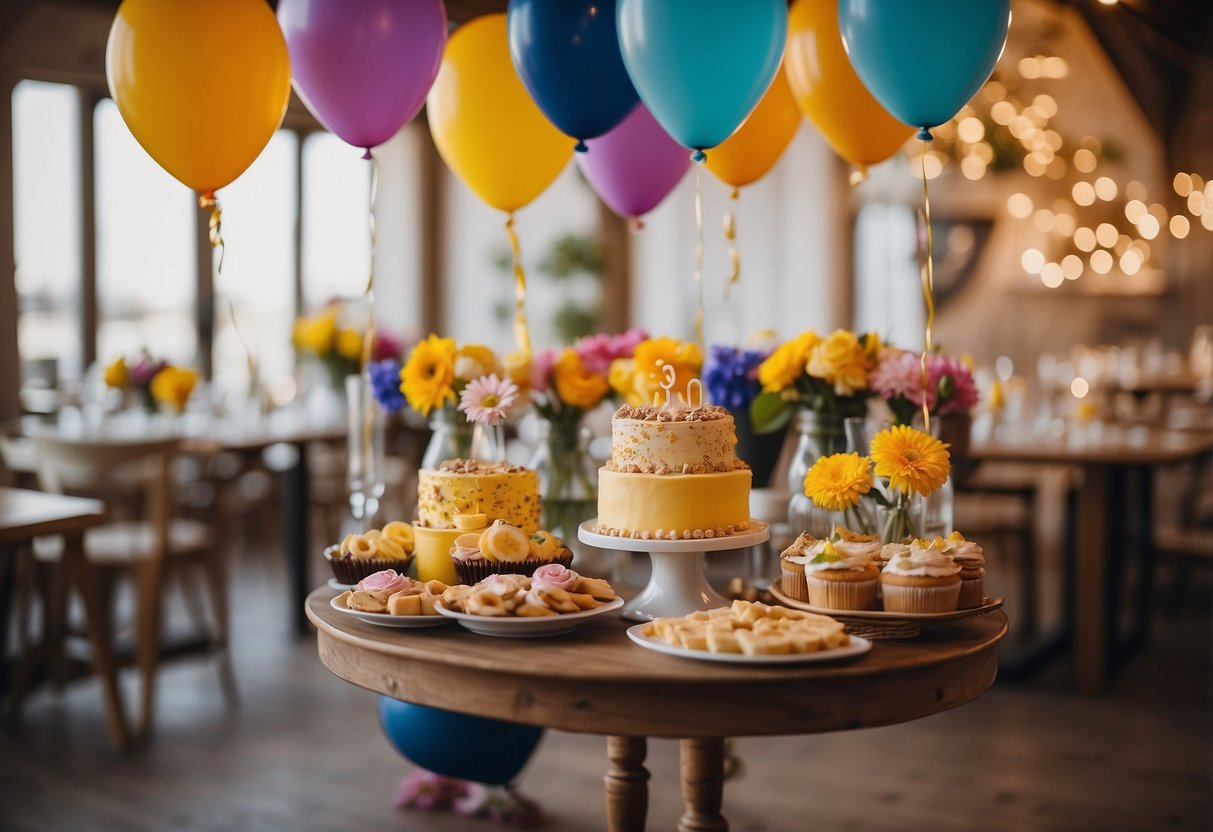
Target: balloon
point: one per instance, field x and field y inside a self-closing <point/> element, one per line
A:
<point x="486" y="127"/>
<point x="363" y="67"/>
<point x="760" y="140"/>
<point x="634" y="166"/>
<point x="701" y="66"/>
<point x="923" y="60"/>
<point x="567" y="54"/>
<point x="201" y="86"/>
<point x="829" y="92"/>
<point x="457" y="745"/>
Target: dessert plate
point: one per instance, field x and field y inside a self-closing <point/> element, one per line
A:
<point x="525" y="627"/>
<point x="857" y="646"/>
<point x="333" y="583"/>
<point x="382" y="619"/>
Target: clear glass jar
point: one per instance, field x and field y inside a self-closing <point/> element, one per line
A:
<point x="818" y="435"/>
<point x="364" y="448"/>
<point x="568" y="478"/>
<point x="451" y="437"/>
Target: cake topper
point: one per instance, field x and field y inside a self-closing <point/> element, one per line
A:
<point x="669" y="378"/>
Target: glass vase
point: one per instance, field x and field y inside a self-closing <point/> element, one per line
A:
<point x="364" y="449"/>
<point x="568" y="478"/>
<point x="818" y="435"/>
<point x="450" y="438"/>
<point x="903" y="519"/>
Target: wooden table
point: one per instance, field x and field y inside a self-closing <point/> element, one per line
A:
<point x="1108" y="463"/>
<point x="595" y="681"/>
<point x="25" y="515"/>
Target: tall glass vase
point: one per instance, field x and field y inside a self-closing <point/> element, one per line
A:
<point x="364" y="449"/>
<point x="939" y="506"/>
<point x="450" y="437"/>
<point x="818" y="435"/>
<point x="568" y="478"/>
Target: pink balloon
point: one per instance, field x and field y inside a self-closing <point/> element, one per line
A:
<point x="634" y="166"/>
<point x="364" y="67"/>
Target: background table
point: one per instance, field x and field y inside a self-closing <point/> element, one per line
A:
<point x="596" y="681"/>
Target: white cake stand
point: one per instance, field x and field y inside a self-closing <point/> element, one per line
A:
<point x="678" y="585"/>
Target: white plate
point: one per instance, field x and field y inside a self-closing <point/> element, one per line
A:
<point x="340" y="587"/>
<point x="382" y="619"/>
<point x="525" y="626"/>
<point x="856" y="646"/>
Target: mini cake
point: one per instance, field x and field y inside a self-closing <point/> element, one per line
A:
<point x="505" y="549"/>
<point x="971" y="560"/>
<point x="673" y="475"/>
<point x="791" y="578"/>
<point x="360" y="555"/>
<point x="922" y="580"/>
<point x="836" y="581"/>
<point x="460" y="486"/>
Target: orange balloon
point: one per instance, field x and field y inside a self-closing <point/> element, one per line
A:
<point x="829" y="92"/>
<point x="761" y="139"/>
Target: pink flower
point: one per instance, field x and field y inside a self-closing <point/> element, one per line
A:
<point x="899" y="374"/>
<point x="555" y="575"/>
<point x="598" y="351"/>
<point x="488" y="399"/>
<point x="898" y="378"/>
<point x="541" y="369"/>
<point x="388" y="580"/>
<point x="473" y="801"/>
<point x="953" y="381"/>
<point x="427" y="791"/>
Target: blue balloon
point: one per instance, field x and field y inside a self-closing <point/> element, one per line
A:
<point x="701" y="66"/>
<point x="924" y="59"/>
<point x="457" y="745"/>
<point x="567" y="55"/>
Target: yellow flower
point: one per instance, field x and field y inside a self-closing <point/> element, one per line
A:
<point x="316" y="334"/>
<point x="912" y="461"/>
<point x="837" y="482"/>
<point x="173" y="385"/>
<point x="843" y="361"/>
<point x="517" y="366"/>
<point x="117" y="374"/>
<point x="621" y="377"/>
<point x="651" y="356"/>
<point x="576" y="385"/>
<point x="349" y="344"/>
<point x="787" y="363"/>
<point x="473" y="361"/>
<point x="428" y="376"/>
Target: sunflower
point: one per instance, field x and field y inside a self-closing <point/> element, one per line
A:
<point x="787" y="363"/>
<point x="912" y="461"/>
<point x="428" y="376"/>
<point x="837" y="482"/>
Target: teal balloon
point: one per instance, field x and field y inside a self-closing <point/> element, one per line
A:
<point x="701" y="66"/>
<point x="924" y="59"/>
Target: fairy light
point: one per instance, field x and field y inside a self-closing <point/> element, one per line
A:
<point x="1079" y="387"/>
<point x="1135" y="209"/>
<point x="1179" y="226"/>
<point x="1020" y="206"/>
<point x="1182" y="183"/>
<point x="1032" y="260"/>
<point x="1083" y="193"/>
<point x="1130" y="262"/>
<point x="1148" y="226"/>
<point x="1064" y="224"/>
<point x="1105" y="188"/>
<point x="1101" y="262"/>
<point x="1051" y="275"/>
<point x="1196" y="203"/>
<point x="1071" y="266"/>
<point x="1084" y="160"/>
<point x="1106" y="234"/>
<point x="1084" y="239"/>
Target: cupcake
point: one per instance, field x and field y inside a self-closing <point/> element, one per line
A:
<point x="791" y="578"/>
<point x="971" y="560"/>
<point x="361" y="555"/>
<point x="838" y="582"/>
<point x="851" y="544"/>
<point x="505" y="549"/>
<point x="924" y="579"/>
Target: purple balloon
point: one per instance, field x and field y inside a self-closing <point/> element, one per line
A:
<point x="635" y="165"/>
<point x="364" y="67"/>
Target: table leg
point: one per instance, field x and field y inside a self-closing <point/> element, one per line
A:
<point x="627" y="789"/>
<point x="295" y="517"/>
<point x="1090" y="585"/>
<point x="702" y="785"/>
<point x="81" y="574"/>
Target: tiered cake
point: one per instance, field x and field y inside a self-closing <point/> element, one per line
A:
<point x="673" y="475"/>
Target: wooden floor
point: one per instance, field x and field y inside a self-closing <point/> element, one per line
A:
<point x="304" y="752"/>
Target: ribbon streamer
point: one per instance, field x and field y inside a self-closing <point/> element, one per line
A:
<point x="928" y="282"/>
<point x="699" y="256"/>
<point x="209" y="201"/>
<point x="730" y="234"/>
<point x="368" y="341"/>
<point x="522" y="334"/>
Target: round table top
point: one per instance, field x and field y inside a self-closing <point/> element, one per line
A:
<point x="594" y="680"/>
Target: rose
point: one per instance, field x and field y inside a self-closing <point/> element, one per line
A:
<point x="575" y="385"/>
<point x="388" y="580"/>
<point x="787" y="363"/>
<point x="841" y="360"/>
<point x="555" y="575"/>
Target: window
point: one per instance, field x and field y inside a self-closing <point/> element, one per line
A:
<point x="336" y="213"/>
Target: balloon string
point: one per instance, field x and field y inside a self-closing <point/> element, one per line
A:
<point x="928" y="286"/>
<point x="522" y="335"/>
<point x="368" y="340"/>
<point x="699" y="259"/>
<point x="209" y="201"/>
<point x="730" y="234"/>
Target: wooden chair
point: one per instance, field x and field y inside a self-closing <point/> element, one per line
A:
<point x="143" y="547"/>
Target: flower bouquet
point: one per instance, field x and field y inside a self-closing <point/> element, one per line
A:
<point x="334" y="336"/>
<point x="154" y="381"/>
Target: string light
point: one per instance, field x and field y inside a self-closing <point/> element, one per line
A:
<point x="1101" y="262"/>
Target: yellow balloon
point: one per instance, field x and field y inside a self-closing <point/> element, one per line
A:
<point x="830" y="93"/>
<point x="486" y="127"/>
<point x="761" y="139"/>
<point x="201" y="85"/>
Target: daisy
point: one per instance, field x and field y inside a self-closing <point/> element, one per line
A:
<point x="488" y="399"/>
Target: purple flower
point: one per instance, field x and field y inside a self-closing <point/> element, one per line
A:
<point x="731" y="375"/>
<point x="145" y="369"/>
<point x="385" y="383"/>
